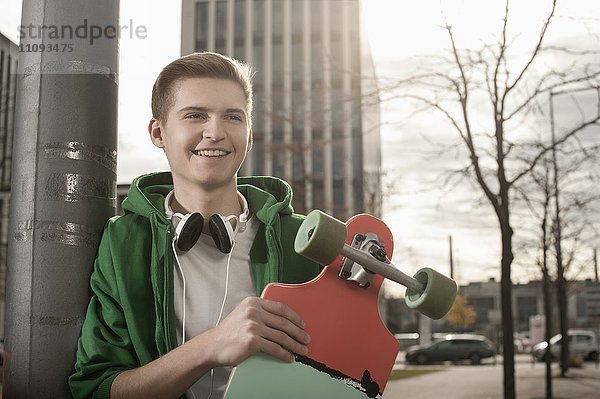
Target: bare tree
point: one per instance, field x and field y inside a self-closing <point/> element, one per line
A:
<point x="547" y="282"/>
<point x="562" y="181"/>
<point x="538" y="197"/>
<point x="509" y="90"/>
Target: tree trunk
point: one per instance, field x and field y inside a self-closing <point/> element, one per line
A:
<point x="562" y="309"/>
<point x="561" y="284"/>
<point x="547" y="307"/>
<point x="507" y="319"/>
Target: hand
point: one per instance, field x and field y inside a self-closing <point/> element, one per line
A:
<point x="258" y="325"/>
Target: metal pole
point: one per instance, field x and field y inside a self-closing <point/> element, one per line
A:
<point x="63" y="187"/>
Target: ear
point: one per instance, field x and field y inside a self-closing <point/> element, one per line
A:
<point x="156" y="133"/>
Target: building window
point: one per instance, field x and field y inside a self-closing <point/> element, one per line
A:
<point x="318" y="194"/>
<point x="339" y="205"/>
<point x="298" y="169"/>
<point x="239" y="29"/>
<point x="277" y="21"/>
<point x="316" y="12"/>
<point x="527" y="307"/>
<point x="482" y="305"/>
<point x="221" y="27"/>
<point x="297" y="21"/>
<point x="339" y="171"/>
<point x="259" y="22"/>
<point x="581" y="306"/>
<point x="201" y="26"/>
<point x="318" y="154"/>
<point x="258" y="47"/>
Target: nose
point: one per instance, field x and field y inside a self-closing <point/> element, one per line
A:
<point x="213" y="130"/>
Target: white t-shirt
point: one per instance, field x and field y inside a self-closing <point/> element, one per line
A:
<point x="205" y="270"/>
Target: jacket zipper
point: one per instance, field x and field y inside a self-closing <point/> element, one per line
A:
<point x="278" y="256"/>
<point x="164" y="287"/>
<point x="167" y="284"/>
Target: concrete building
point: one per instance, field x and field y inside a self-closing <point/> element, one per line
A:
<point x="8" y="69"/>
<point x="528" y="301"/>
<point x="583" y="302"/>
<point x="484" y="297"/>
<point x="584" y="306"/>
<point x="316" y="114"/>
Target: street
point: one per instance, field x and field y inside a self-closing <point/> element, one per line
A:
<point x="465" y="381"/>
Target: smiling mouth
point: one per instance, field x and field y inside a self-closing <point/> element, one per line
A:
<point x="210" y="153"/>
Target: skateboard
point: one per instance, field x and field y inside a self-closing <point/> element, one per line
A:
<point x="351" y="353"/>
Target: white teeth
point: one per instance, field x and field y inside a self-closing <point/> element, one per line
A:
<point x="211" y="153"/>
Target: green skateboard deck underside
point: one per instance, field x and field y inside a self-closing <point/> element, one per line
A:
<point x="263" y="376"/>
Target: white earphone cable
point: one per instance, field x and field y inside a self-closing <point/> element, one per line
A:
<point x="226" y="291"/>
<point x="212" y="371"/>
<point x="226" y="285"/>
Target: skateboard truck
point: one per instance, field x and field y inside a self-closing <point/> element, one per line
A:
<point x="322" y="239"/>
<point x="369" y="263"/>
<point x="368" y="252"/>
<point x="352" y="271"/>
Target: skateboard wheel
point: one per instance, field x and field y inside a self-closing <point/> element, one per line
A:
<point x="438" y="296"/>
<point x="320" y="237"/>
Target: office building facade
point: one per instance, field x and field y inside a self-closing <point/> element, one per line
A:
<point x="316" y="111"/>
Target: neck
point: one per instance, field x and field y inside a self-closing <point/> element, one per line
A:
<point x="222" y="200"/>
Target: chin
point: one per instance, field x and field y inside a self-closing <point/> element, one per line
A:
<point x="211" y="184"/>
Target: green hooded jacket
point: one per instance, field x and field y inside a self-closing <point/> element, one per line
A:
<point x="130" y="319"/>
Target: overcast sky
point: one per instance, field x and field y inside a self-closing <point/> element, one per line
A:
<point x="421" y="216"/>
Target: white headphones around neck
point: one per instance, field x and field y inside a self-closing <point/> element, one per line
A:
<point x="190" y="227"/>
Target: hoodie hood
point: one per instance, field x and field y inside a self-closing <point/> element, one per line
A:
<point x="268" y="197"/>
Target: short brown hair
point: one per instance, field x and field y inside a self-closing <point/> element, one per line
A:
<point x="199" y="65"/>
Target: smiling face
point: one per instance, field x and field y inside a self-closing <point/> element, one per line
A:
<point x="206" y="134"/>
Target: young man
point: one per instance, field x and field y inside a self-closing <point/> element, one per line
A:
<point x="170" y="313"/>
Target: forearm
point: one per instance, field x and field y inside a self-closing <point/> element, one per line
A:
<point x="254" y="325"/>
<point x="167" y="377"/>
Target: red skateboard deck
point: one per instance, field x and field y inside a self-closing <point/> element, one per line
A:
<point x="349" y="341"/>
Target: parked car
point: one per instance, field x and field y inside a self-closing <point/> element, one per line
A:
<point x="581" y="342"/>
<point x="452" y="347"/>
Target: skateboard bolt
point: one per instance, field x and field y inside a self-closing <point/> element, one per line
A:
<point x="345" y="274"/>
<point x="359" y="238"/>
<point x="378" y="253"/>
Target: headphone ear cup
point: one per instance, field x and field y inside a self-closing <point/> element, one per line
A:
<point x="219" y="233"/>
<point x="190" y="232"/>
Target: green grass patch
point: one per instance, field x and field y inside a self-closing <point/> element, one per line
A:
<point x="399" y="374"/>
